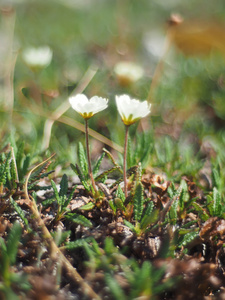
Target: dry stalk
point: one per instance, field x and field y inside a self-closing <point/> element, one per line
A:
<point x="54" y="250"/>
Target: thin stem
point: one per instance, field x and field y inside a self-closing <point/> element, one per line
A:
<point x="125" y="161"/>
<point x="88" y="155"/>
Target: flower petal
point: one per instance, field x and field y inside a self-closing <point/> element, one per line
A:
<point x="131" y="110"/>
<point x="99" y="103"/>
<point x="87" y="108"/>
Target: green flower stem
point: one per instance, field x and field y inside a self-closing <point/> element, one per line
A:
<point x="88" y="155"/>
<point x="125" y="160"/>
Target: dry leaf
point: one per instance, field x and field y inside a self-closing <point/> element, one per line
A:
<point x="213" y="226"/>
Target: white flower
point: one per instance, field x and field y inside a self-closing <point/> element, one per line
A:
<point x="128" y="72"/>
<point x="87" y="108"/>
<point x="131" y="110"/>
<point x="37" y="57"/>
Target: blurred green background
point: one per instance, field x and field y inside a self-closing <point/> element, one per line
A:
<point x="90" y="37"/>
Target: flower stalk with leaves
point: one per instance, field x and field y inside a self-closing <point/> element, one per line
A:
<point x="87" y="108"/>
<point x="130" y="110"/>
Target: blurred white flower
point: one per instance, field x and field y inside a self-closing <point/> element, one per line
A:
<point x="128" y="72"/>
<point x="154" y="42"/>
<point x="87" y="108"/>
<point x="131" y="110"/>
<point x="37" y="57"/>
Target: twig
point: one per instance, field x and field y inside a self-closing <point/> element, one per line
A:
<point x="54" y="248"/>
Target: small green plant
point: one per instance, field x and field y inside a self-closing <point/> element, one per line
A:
<point x="22" y="161"/>
<point x="180" y="202"/>
<point x="145" y="280"/>
<point x="14" y="165"/>
<point x="8" y="175"/>
<point x="212" y="208"/>
<point x="20" y="213"/>
<point x="176" y="159"/>
<point x="141" y="151"/>
<point x="8" y="253"/>
<point x="176" y="211"/>
<point x="215" y="204"/>
<point x="63" y="199"/>
<point x="139" y="212"/>
<point x="81" y="170"/>
<point x="142" y="280"/>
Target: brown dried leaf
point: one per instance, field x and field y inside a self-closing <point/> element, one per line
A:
<point x="158" y="181"/>
<point x="213" y="226"/>
<point x="24" y="202"/>
<point x="3" y="225"/>
<point x="43" y="287"/>
<point x="195" y="279"/>
<point x="193" y="189"/>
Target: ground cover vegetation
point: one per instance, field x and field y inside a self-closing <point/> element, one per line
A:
<point x="80" y="216"/>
